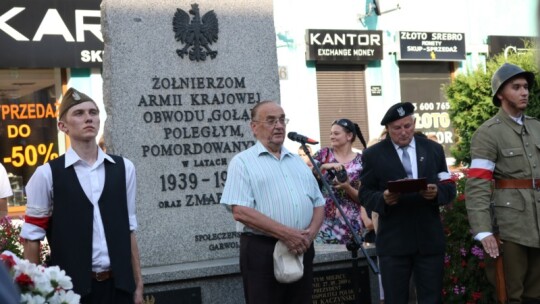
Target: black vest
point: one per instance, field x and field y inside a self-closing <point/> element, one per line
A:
<point x="70" y="228"/>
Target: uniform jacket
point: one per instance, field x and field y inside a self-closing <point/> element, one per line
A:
<point x="515" y="151"/>
<point x="413" y="224"/>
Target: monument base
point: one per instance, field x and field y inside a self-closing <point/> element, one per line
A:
<point x="219" y="281"/>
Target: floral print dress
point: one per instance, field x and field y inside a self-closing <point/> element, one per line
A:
<point x="334" y="230"/>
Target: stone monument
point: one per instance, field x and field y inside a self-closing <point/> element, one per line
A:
<point x="180" y="78"/>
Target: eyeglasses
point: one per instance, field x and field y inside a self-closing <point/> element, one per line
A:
<point x="273" y="121"/>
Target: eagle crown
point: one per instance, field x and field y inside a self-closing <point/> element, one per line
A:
<point x="194" y="9"/>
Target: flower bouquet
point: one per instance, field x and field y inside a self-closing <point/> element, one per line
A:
<point x="10" y="229"/>
<point x="38" y="284"/>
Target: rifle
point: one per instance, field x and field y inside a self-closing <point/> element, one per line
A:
<point x="500" y="281"/>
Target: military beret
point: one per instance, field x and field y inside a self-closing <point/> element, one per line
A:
<point x="397" y="111"/>
<point x="72" y="98"/>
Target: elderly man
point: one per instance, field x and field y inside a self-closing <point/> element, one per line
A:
<point x="274" y="196"/>
<point x="410" y="238"/>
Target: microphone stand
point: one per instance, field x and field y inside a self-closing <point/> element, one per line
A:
<point x="357" y="240"/>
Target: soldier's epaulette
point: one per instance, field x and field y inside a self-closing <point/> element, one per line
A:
<point x="492" y="121"/>
<point x="530" y="118"/>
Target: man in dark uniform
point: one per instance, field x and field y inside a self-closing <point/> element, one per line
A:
<point x="505" y="149"/>
<point x="410" y="238"/>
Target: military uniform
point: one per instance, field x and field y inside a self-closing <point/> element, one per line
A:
<point x="515" y="150"/>
<point x="505" y="172"/>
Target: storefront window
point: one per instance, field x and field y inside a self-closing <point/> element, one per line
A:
<point x="28" y="132"/>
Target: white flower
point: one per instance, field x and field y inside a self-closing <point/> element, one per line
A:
<point x="58" y="278"/>
<point x="63" y="297"/>
<point x="27" y="298"/>
<point x="42" y="285"/>
<point x="24" y="266"/>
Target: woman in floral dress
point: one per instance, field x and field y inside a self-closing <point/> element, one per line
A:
<point x="340" y="155"/>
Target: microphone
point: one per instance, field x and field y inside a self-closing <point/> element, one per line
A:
<point x="301" y="138"/>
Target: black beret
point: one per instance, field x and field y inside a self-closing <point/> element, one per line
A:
<point x="397" y="111"/>
<point x="72" y="98"/>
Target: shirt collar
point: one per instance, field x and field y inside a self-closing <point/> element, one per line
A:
<point x="72" y="157"/>
<point x="412" y="144"/>
<point x="518" y="120"/>
<point x="261" y="149"/>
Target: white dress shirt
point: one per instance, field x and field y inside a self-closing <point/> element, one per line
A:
<point x="5" y="185"/>
<point x="39" y="192"/>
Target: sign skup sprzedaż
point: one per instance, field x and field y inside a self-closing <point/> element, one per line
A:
<point x="432" y="46"/>
<point x="343" y="46"/>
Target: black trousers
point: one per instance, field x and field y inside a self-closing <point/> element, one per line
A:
<point x="104" y="292"/>
<point x="428" y="273"/>
<point x="257" y="268"/>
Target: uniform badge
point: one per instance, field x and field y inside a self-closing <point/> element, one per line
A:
<point x="76" y="96"/>
<point x="400" y="111"/>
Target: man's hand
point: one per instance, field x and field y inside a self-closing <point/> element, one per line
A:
<point x="490" y="246"/>
<point x="390" y="198"/>
<point x="298" y="241"/>
<point x="430" y="193"/>
<point x="311" y="235"/>
<point x="138" y="295"/>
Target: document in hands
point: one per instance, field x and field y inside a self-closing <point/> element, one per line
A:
<point x="407" y="185"/>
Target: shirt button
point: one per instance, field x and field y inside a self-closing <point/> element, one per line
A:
<point x="511" y="153"/>
<point x="530" y="155"/>
<point x="507" y="203"/>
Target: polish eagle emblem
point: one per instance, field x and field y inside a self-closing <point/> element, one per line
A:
<point x="197" y="33"/>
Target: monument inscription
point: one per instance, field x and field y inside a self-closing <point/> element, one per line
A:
<point x="337" y="286"/>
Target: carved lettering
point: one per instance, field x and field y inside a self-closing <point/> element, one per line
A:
<point x="157" y="150"/>
<point x="160" y="100"/>
<point x="217" y="236"/>
<point x="228" y="115"/>
<point x="173" y="116"/>
<point x="205" y="199"/>
<point x="180" y="83"/>
<point x="170" y="204"/>
<point x="210" y="162"/>
<point x="203" y="132"/>
<point x="225" y="98"/>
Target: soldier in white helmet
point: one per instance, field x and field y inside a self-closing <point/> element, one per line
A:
<point x="505" y="153"/>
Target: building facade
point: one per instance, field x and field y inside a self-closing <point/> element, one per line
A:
<point x="424" y="45"/>
<point x="337" y="59"/>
